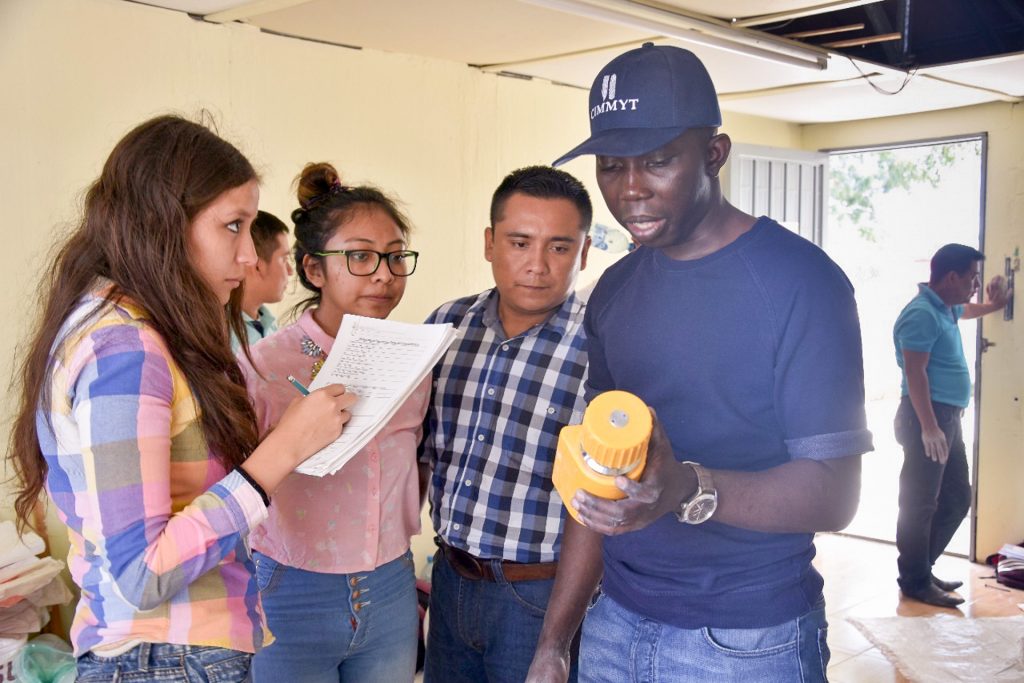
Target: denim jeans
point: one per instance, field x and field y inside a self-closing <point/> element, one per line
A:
<point x="619" y="645"/>
<point x="166" y="662"/>
<point x="359" y="627"/>
<point x="934" y="497"/>
<point x="483" y="631"/>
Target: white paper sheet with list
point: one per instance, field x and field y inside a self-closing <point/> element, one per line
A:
<point x="381" y="361"/>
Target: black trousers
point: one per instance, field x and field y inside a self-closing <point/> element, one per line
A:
<point x="934" y="497"/>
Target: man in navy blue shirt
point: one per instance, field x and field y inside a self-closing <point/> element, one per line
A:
<point x="744" y="340"/>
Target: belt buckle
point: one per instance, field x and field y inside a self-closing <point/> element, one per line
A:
<point x="478" y="568"/>
<point x="467" y="565"/>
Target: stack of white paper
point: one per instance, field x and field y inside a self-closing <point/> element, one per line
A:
<point x="28" y="584"/>
<point x="1015" y="552"/>
<point x="382" y="362"/>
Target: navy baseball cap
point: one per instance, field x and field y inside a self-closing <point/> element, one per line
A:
<point x="646" y="98"/>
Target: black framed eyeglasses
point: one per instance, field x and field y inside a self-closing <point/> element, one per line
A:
<point x="365" y="262"/>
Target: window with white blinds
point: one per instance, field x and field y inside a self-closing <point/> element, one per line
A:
<point x="787" y="185"/>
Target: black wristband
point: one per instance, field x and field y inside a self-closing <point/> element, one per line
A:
<point x="252" y="482"/>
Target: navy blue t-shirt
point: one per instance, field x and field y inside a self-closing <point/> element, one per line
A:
<point x="751" y="357"/>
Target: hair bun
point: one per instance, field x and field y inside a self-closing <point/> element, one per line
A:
<point x="315" y="180"/>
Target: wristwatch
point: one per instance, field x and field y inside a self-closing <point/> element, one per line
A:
<point x="699" y="507"/>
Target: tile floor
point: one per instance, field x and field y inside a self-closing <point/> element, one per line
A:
<point x="860" y="581"/>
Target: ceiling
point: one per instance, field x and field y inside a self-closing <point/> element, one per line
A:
<point x="804" y="62"/>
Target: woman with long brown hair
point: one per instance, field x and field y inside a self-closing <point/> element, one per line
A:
<point x="135" y="418"/>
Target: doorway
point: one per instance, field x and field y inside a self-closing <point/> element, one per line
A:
<point x="889" y="210"/>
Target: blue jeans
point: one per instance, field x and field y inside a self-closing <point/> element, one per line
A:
<point x="359" y="627"/>
<point x="619" y="645"/>
<point x="166" y="662"/>
<point x="483" y="631"/>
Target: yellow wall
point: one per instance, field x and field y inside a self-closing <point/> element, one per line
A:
<point x="75" y="75"/>
<point x="1000" y="511"/>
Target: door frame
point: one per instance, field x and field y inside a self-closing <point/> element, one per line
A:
<point x="978" y="378"/>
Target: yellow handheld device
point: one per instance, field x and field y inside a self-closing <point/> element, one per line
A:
<point x="612" y="441"/>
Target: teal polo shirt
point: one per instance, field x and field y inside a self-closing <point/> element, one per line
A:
<point x="256" y="329"/>
<point x="928" y="325"/>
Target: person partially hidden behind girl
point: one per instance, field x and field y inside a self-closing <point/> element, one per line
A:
<point x="133" y="413"/>
<point x="333" y="560"/>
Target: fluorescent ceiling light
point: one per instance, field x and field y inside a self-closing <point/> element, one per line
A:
<point x="692" y="29"/>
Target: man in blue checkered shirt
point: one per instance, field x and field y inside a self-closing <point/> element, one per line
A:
<point x="501" y="394"/>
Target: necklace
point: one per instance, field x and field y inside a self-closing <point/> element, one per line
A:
<point x="312" y="349"/>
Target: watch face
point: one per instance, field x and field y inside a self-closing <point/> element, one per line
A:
<point x="701" y="508"/>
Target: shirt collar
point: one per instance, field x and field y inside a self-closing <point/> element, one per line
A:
<point x="485" y="309"/>
<point x="134" y="311"/>
<point x="265" y="316"/>
<point x="934" y="299"/>
<point x="313" y="330"/>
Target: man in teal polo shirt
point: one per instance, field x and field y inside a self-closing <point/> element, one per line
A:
<point x="935" y="488"/>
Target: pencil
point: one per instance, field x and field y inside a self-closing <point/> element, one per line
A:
<point x="298" y="385"/>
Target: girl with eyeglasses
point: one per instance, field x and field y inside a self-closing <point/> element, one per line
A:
<point x="333" y="561"/>
<point x="134" y="415"/>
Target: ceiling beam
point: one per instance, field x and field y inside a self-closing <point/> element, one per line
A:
<point x="865" y="40"/>
<point x="505" y="66"/>
<point x="794" y="88"/>
<point x="824" y="31"/>
<point x="1004" y="96"/>
<point x="798" y="13"/>
<point x="251" y="9"/>
<point x="847" y="82"/>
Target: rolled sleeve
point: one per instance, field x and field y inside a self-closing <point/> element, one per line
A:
<point x="820" y="372"/>
<point x="825" y="446"/>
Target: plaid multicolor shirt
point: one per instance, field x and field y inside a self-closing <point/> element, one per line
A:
<point x="157" y="525"/>
<point x="492" y="428"/>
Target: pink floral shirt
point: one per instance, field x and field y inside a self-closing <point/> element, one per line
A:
<point x="363" y="515"/>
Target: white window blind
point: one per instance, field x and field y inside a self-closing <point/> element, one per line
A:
<point x="784" y="184"/>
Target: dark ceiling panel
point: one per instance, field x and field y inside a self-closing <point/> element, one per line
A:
<point x="940" y="31"/>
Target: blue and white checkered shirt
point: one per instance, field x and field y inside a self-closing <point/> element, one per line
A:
<point x="492" y="428"/>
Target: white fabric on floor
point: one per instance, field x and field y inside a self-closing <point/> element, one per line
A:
<point x="947" y="648"/>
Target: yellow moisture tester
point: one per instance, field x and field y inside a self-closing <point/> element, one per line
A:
<point x="612" y="441"/>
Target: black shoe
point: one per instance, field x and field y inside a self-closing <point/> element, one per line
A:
<point x="933" y="595"/>
<point x="948" y="586"/>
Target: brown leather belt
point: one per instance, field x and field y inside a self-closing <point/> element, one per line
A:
<point x="476" y="569"/>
